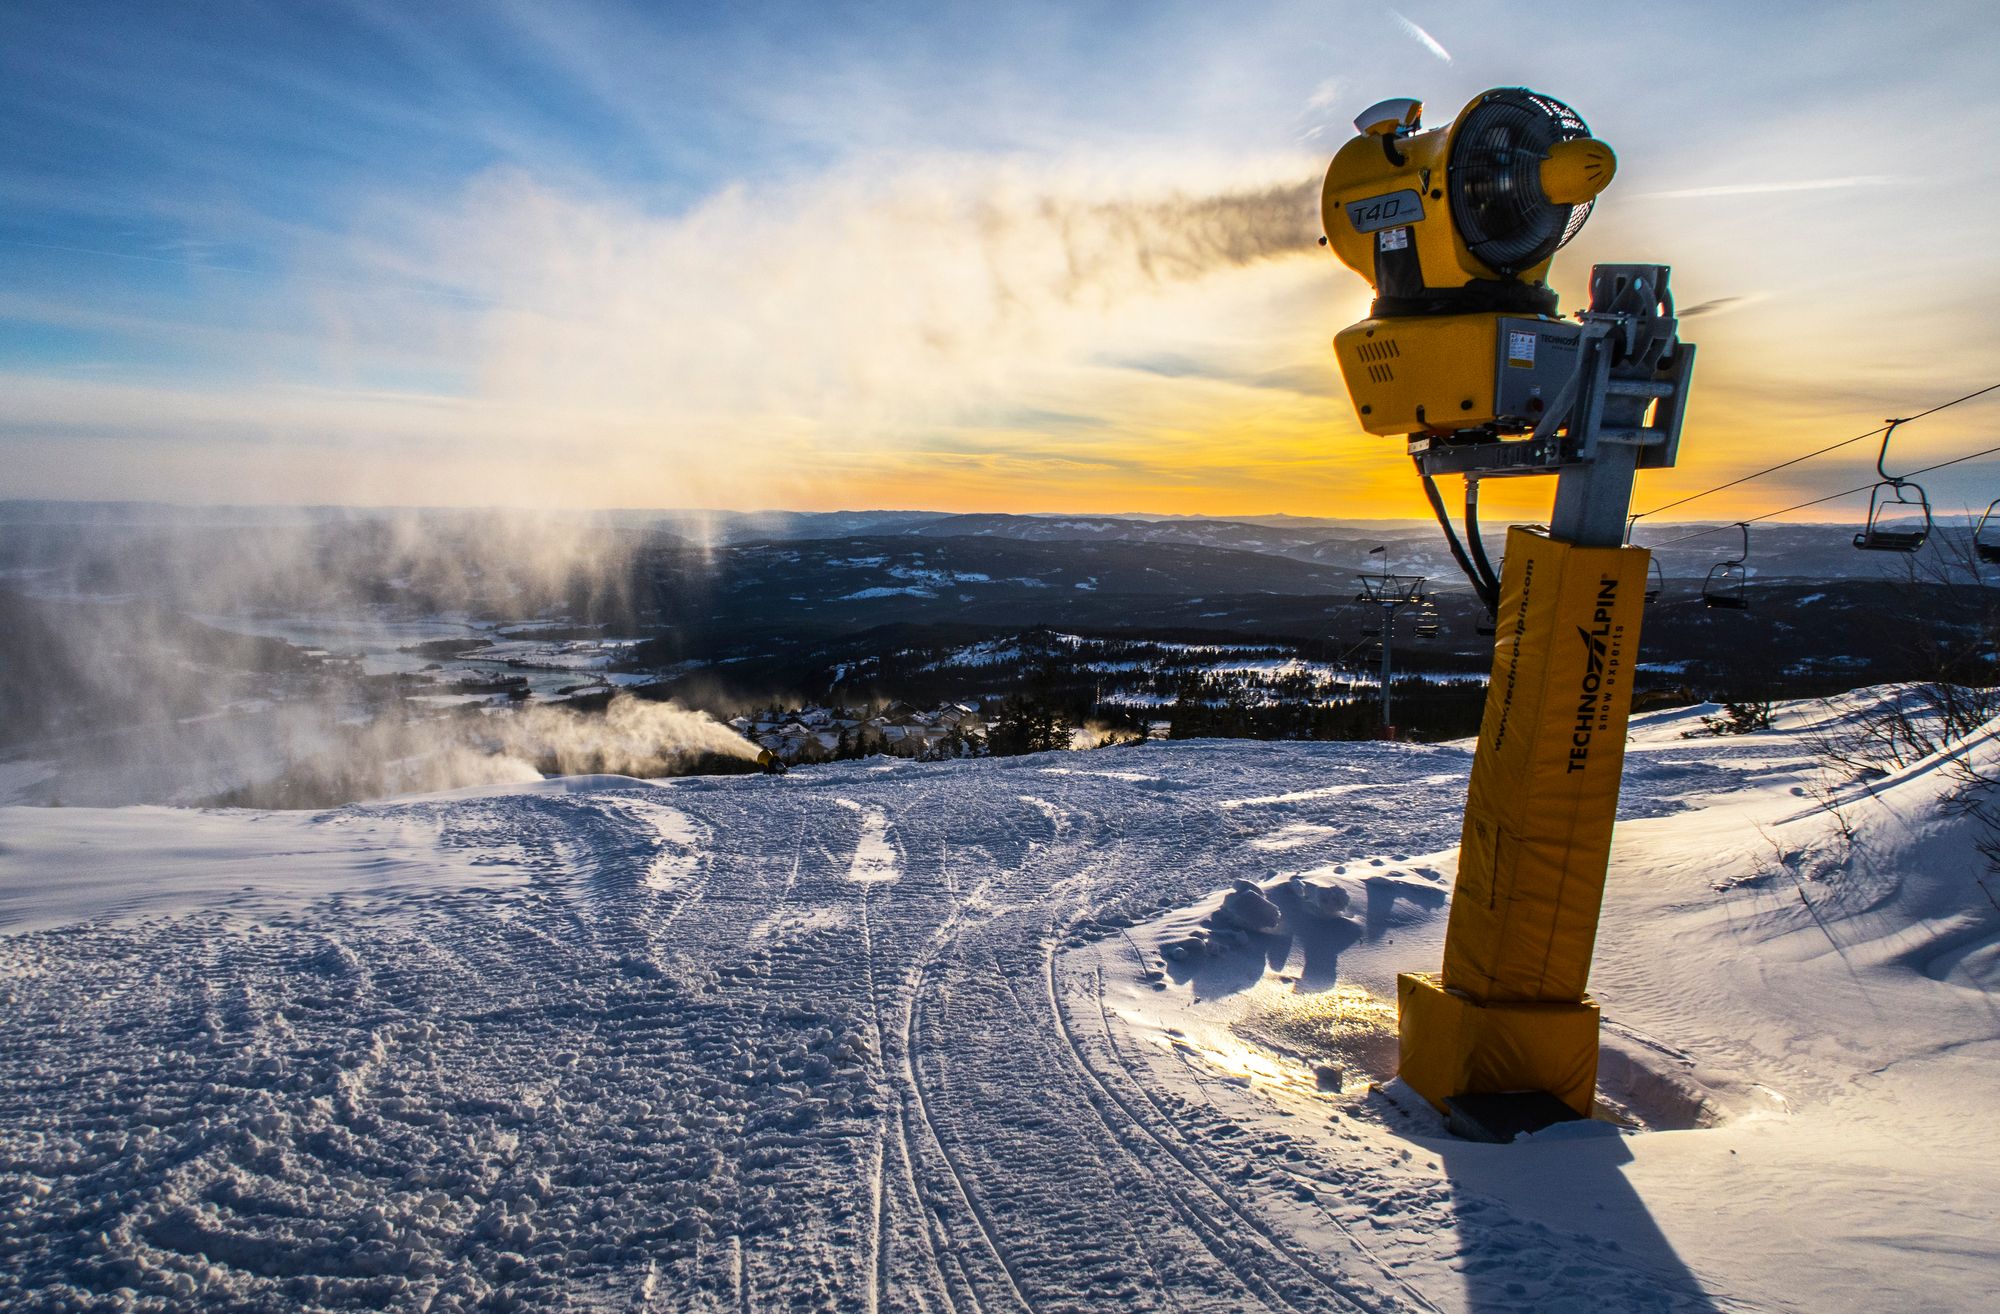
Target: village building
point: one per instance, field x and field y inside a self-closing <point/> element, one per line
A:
<point x="817" y="734"/>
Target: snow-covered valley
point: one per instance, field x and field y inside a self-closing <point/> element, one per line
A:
<point x="890" y="1035"/>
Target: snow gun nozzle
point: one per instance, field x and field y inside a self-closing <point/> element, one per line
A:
<point x="768" y="762"/>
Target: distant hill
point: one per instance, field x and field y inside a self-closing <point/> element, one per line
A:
<point x="699" y="579"/>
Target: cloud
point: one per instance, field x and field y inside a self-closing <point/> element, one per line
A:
<point x="1329" y="93"/>
<point x="1422" y="37"/>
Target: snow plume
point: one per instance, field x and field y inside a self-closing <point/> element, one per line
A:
<point x="1177" y="238"/>
<point x="762" y="321"/>
<point x="1098" y="734"/>
<point x="320" y="763"/>
<point x="111" y="703"/>
<point x="630" y="738"/>
<point x="510" y="564"/>
<point x="535" y="339"/>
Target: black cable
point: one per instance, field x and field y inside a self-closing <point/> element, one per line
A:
<point x="1478" y="546"/>
<point x="1491" y="604"/>
<point x="1830" y="497"/>
<point x="1845" y="442"/>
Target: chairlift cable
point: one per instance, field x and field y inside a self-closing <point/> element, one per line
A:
<point x="1831" y="447"/>
<point x="1830" y="497"/>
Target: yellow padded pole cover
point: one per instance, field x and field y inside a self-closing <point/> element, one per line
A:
<point x="1545" y="777"/>
<point x="1453" y="1046"/>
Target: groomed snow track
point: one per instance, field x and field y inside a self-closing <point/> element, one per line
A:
<point x="755" y="1044"/>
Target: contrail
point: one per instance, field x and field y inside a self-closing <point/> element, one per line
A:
<point x="1761" y="188"/>
<point x="1428" y="41"/>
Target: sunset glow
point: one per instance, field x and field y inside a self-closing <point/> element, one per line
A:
<point x="1036" y="259"/>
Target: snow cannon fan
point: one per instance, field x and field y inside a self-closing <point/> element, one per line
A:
<point x="1455" y="228"/>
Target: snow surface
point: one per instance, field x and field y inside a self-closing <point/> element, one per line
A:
<point x="897" y="1035"/>
<point x="912" y="591"/>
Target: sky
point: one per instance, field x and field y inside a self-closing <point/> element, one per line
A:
<point x="1004" y="257"/>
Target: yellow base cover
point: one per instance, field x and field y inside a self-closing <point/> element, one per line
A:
<point x="1450" y="1045"/>
<point x="1545" y="776"/>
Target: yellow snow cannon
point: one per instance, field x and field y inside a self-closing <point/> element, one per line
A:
<point x="1465" y="355"/>
<point x="1455" y="228"/>
<point x="769" y="763"/>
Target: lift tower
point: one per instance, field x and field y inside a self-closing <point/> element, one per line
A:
<point x="1391" y="593"/>
<point x="1465" y="356"/>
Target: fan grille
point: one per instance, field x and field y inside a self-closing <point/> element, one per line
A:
<point x="1496" y="184"/>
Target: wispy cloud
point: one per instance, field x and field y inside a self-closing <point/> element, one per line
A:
<point x="1768" y="187"/>
<point x="1329" y="94"/>
<point x="1423" y="38"/>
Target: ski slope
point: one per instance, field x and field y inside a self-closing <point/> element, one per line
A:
<point x="898" y="1036"/>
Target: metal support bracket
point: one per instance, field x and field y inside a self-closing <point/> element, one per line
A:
<point x="1623" y="407"/>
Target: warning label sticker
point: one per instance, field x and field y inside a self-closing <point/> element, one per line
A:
<point x="1521" y="349"/>
<point x="1395" y="239"/>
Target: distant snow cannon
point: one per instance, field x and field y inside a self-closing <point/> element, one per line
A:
<point x="769" y="763"/>
<point x="1465" y="354"/>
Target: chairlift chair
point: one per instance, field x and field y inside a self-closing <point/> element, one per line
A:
<point x="1985" y="541"/>
<point x="1894" y="496"/>
<point x="1656" y="579"/>
<point x="1724" y="586"/>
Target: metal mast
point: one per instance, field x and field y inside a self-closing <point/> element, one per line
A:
<point x="1391" y="593"/>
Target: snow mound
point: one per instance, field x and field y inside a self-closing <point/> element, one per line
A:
<point x="1797" y="964"/>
